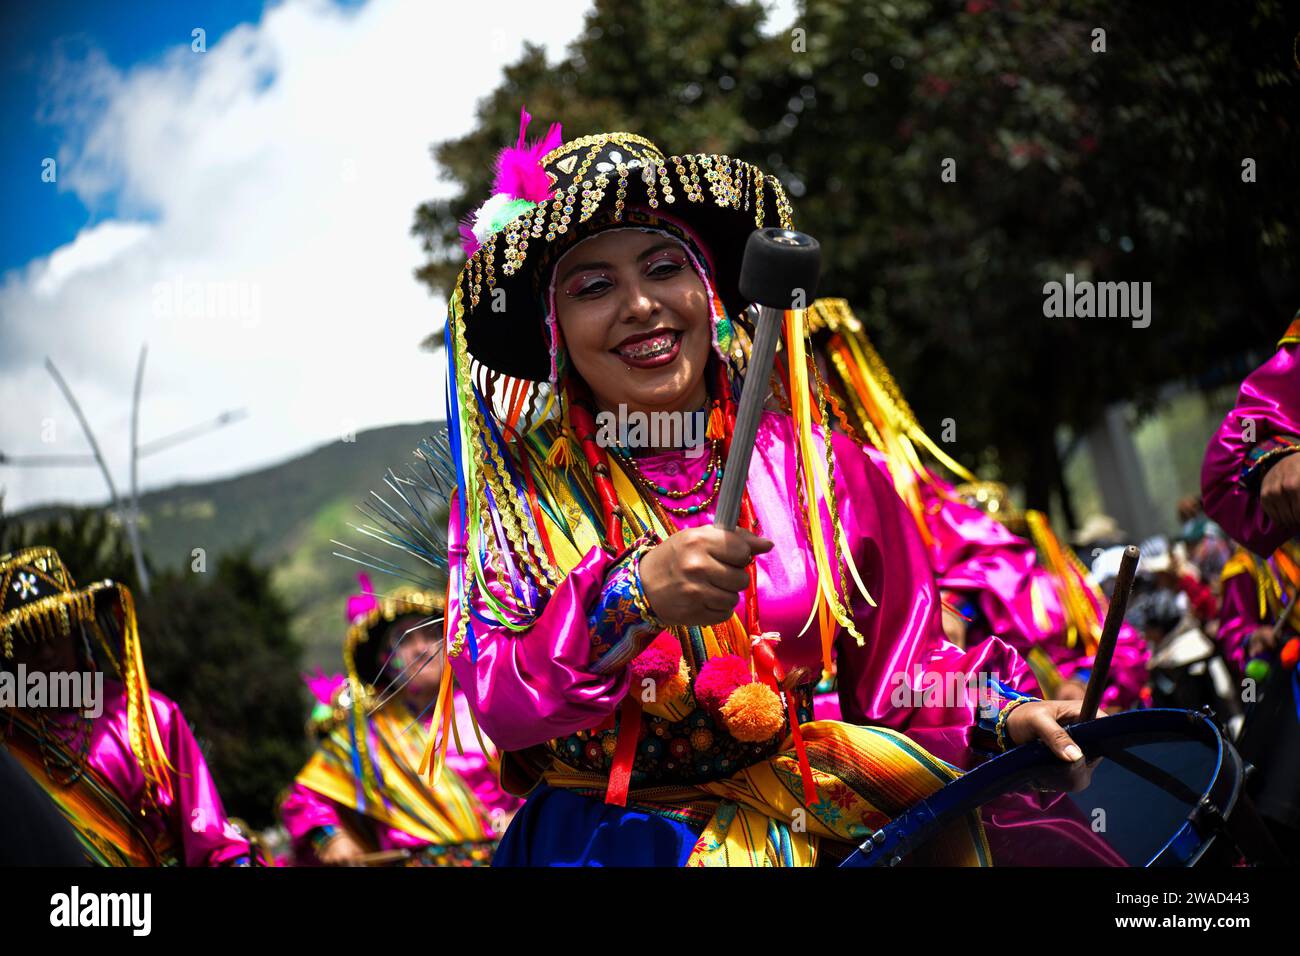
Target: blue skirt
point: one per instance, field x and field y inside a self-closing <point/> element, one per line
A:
<point x="557" y="827"/>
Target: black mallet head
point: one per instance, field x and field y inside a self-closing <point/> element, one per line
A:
<point x="781" y="268"/>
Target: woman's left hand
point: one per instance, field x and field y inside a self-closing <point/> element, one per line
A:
<point x="1043" y="720"/>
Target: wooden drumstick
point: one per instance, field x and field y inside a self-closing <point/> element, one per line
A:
<point x="1110" y="633"/>
<point x="381" y="858"/>
<point x="780" y="271"/>
<point x="1283" y="619"/>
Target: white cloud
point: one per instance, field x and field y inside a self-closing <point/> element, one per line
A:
<point x="273" y="266"/>
<point x="94" y="248"/>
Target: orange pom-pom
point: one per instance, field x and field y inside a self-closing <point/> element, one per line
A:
<point x="1291" y="653"/>
<point x="752" y="713"/>
<point x="676" y="687"/>
<point x="718" y="679"/>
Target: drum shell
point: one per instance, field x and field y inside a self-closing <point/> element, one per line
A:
<point x="1184" y="842"/>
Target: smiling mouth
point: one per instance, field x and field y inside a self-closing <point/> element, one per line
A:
<point x="658" y="344"/>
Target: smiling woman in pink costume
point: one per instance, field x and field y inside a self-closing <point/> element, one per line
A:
<point x="648" y="673"/>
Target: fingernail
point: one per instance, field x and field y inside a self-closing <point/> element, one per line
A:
<point x="1073" y="753"/>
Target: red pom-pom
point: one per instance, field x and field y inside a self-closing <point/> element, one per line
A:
<point x="718" y="678"/>
<point x="658" y="662"/>
<point x="1291" y="653"/>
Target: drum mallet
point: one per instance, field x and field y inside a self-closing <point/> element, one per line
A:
<point x="1110" y="633"/>
<point x="780" y="269"/>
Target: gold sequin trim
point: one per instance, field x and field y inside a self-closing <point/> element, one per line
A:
<point x="731" y="184"/>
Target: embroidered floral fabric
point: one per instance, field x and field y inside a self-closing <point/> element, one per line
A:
<point x="1263" y="455"/>
<point x="616" y="621"/>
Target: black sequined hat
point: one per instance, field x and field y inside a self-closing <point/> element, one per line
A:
<point x="605" y="181"/>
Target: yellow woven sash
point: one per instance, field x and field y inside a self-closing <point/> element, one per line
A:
<point x="865" y="777"/>
<point x="444" y="814"/>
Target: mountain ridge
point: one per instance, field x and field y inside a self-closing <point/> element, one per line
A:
<point x="286" y="513"/>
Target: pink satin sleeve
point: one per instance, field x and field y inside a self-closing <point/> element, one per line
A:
<point x="1128" y="668"/>
<point x="1238" y="618"/>
<point x="904" y="643"/>
<point x="192" y="813"/>
<point x="1010" y="613"/>
<point x="532" y="686"/>
<point x="1270" y="399"/>
<point x="196" y="810"/>
<point x="304" y="810"/>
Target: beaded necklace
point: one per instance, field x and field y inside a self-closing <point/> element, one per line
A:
<point x="712" y="470"/>
<point x="722" y="425"/>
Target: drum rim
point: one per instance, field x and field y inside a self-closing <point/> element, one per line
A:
<point x="901" y="835"/>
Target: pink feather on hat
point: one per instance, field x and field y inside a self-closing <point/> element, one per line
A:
<point x="468" y="241"/>
<point x="323" y="686"/>
<point x="519" y="176"/>
<point x="519" y="168"/>
<point x="364" y="602"/>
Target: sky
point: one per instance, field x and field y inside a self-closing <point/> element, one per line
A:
<point x="243" y="209"/>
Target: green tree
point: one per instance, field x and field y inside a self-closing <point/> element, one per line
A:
<point x="220" y="642"/>
<point x="668" y="70"/>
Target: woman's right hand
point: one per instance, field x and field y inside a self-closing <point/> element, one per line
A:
<point x="696" y="575"/>
<point x="339" y="850"/>
<point x="1262" y="642"/>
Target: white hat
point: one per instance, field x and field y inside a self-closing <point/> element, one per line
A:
<point x="1106" y="564"/>
<point x="1155" y="554"/>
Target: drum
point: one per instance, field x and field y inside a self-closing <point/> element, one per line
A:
<point x="1157" y="788"/>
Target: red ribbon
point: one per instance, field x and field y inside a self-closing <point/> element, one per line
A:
<point x="620" y="771"/>
<point x="771" y="673"/>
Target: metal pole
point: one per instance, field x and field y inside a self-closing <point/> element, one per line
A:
<point x="132" y="523"/>
<point x="194" y="431"/>
<point x="103" y="466"/>
<point x="85" y="427"/>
